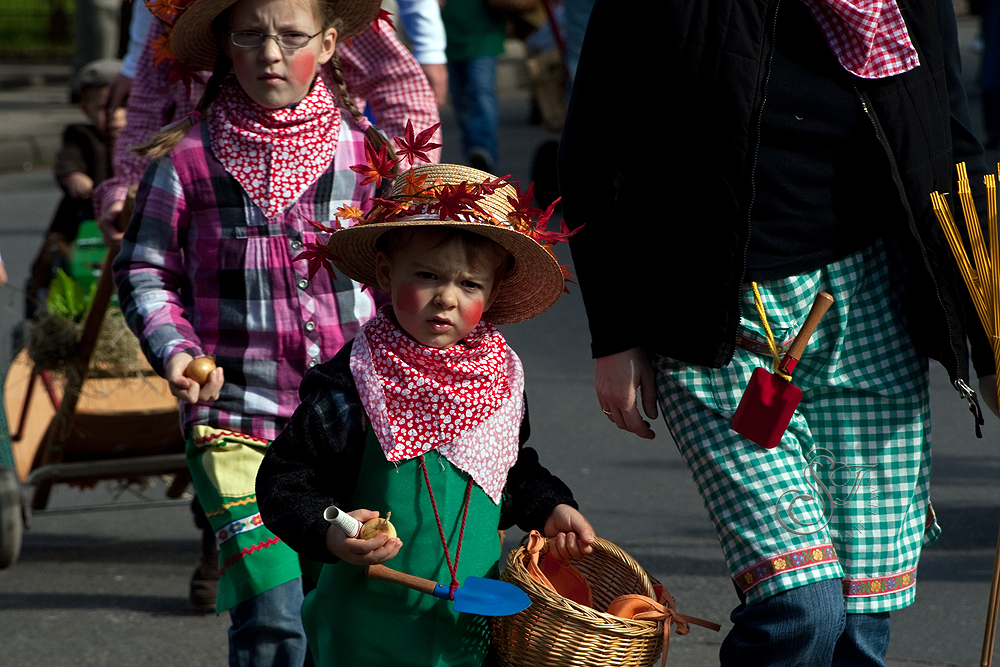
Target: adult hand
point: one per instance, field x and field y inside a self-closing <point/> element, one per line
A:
<point x="437" y="76"/>
<point x="362" y="552"/>
<point x="988" y="390"/>
<point x="187" y="389"/>
<point x="572" y="535"/>
<point x="118" y="92"/>
<point x="616" y="378"/>
<point x="108" y="224"/>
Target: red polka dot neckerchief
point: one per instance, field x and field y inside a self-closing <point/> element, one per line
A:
<point x="465" y="401"/>
<point x="274" y="154"/>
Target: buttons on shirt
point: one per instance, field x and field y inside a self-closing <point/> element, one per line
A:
<point x="310" y="325"/>
<point x="296" y="245"/>
<point x="313" y="362"/>
<point x="303" y="283"/>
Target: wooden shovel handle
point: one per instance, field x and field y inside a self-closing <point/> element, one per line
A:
<point x="382" y="573"/>
<point x="820" y="306"/>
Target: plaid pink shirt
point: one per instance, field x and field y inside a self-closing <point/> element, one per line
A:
<point x="206" y="273"/>
<point x="377" y="67"/>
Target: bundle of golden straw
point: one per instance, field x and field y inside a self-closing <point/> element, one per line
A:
<point x="982" y="280"/>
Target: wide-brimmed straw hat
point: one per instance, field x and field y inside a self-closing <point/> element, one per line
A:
<point x="193" y="43"/>
<point x="532" y="285"/>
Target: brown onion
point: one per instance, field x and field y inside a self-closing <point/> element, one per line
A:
<point x="376" y="526"/>
<point x="199" y="369"/>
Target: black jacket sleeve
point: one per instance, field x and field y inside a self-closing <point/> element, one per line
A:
<point x="532" y="492"/>
<point x="314" y="462"/>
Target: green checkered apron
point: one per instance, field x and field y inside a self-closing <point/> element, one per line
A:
<point x="846" y="494"/>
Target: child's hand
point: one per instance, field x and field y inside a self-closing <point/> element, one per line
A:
<point x="356" y="551"/>
<point x="79" y="185"/>
<point x="187" y="389"/>
<point x="572" y="535"/>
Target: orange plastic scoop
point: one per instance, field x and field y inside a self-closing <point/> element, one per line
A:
<point x="769" y="400"/>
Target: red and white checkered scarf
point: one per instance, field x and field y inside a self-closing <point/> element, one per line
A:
<point x="466" y="401"/>
<point x="868" y="37"/>
<point x="275" y="154"/>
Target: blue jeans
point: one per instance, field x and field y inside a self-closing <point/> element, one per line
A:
<point x="807" y="627"/>
<point x="267" y="629"/>
<point x="473" y="87"/>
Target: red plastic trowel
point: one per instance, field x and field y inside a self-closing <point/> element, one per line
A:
<point x="770" y="400"/>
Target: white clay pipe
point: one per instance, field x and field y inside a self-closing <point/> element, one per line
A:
<point x="342" y="520"/>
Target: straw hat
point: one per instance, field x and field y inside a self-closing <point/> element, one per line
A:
<point x="194" y="44"/>
<point x="533" y="284"/>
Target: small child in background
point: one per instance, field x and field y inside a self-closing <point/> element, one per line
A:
<point x="422" y="414"/>
<point x="83" y="161"/>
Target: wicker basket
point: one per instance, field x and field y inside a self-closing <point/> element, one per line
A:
<point x="556" y="632"/>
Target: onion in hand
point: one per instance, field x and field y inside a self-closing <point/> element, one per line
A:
<point x="199" y="369"/>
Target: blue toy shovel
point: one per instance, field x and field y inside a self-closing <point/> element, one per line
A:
<point x="486" y="597"/>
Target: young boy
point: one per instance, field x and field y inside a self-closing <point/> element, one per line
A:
<point x="423" y="415"/>
<point x="83" y="161"/>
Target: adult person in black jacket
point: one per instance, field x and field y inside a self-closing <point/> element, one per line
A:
<point x="795" y="151"/>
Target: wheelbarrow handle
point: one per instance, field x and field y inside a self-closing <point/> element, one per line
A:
<point x="820" y="306"/>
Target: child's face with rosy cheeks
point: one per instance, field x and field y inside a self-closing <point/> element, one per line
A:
<point x="275" y="77"/>
<point x="438" y="294"/>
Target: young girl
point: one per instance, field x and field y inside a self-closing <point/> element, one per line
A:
<point x="423" y="415"/>
<point x="207" y="268"/>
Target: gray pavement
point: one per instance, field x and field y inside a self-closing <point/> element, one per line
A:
<point x="110" y="588"/>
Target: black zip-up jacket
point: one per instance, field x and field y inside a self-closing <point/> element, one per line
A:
<point x="657" y="165"/>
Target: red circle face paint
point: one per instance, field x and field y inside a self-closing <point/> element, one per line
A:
<point x="438" y="295"/>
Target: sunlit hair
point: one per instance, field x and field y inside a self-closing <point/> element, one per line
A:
<point x="482" y="253"/>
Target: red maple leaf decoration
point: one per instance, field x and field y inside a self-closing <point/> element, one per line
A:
<point x="412" y="147"/>
<point x="453" y="200"/>
<point x="161" y="50"/>
<point x="523" y="211"/>
<point x="316" y="257"/>
<point x="382" y="16"/>
<point x="378" y="166"/>
<point x="488" y="187"/>
<point x="320" y="227"/>
<point x="414" y="184"/>
<point x="167" y="10"/>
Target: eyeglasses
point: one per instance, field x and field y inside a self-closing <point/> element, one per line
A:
<point x="249" y="39"/>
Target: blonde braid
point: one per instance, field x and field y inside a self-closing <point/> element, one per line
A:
<point x="167" y="139"/>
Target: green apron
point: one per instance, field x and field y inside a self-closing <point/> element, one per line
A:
<point x="355" y="622"/>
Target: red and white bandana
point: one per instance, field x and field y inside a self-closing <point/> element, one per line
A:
<point x="868" y="37"/>
<point x="275" y="154"/>
<point x="466" y="401"/>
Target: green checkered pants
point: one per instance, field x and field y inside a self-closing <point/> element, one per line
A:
<point x="846" y="494"/>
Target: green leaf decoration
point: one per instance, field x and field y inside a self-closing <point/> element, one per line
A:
<point x="66" y="297"/>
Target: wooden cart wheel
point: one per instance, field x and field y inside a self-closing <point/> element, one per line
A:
<point x="11" y="517"/>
